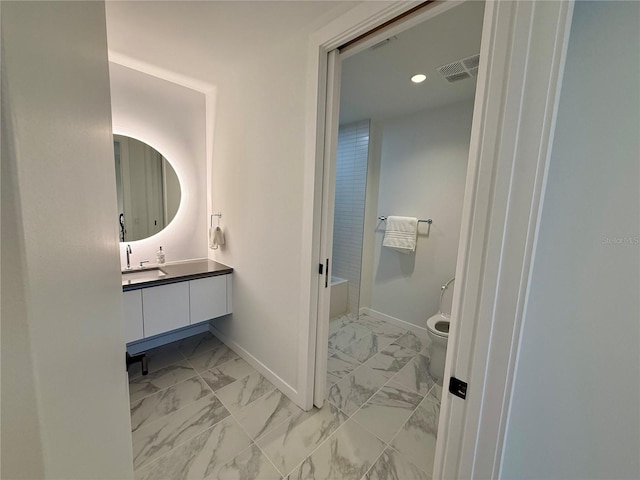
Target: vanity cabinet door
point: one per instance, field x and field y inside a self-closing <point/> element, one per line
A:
<point x="165" y="308"/>
<point x="229" y="293"/>
<point x="208" y="298"/>
<point x="132" y="309"/>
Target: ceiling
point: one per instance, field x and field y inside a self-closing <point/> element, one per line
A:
<point x="376" y="82"/>
<point x="205" y="40"/>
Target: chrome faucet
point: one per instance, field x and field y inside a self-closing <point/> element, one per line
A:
<point x="128" y="250"/>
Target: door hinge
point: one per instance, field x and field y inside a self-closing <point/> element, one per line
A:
<point x="458" y="387"/>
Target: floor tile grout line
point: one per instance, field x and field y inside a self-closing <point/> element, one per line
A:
<point x="376" y="459"/>
<point x="208" y="352"/>
<point x="226" y="363"/>
<point x="389" y="444"/>
<point x="369" y="399"/>
<point x="263" y="434"/>
<point x="349" y="373"/>
<point x="213" y="393"/>
<point x="411" y="389"/>
<point x="352" y="417"/>
<point x="214" y="366"/>
<point x="190" y="365"/>
<point x="165" y="366"/>
<point x="205" y="351"/>
<point x="364" y="403"/>
<point x="394" y="373"/>
<point x="407" y="458"/>
<point x="181" y="443"/>
<point x="376" y="392"/>
<point x="235" y="381"/>
<point x="348" y="417"/>
<point x="387" y="447"/>
<point x="341" y="350"/>
<point x="369" y="359"/>
<point x="356" y="339"/>
<point x="182" y="407"/>
<point x="345" y="354"/>
<point x="209" y="477"/>
<point x="208" y="386"/>
<point x="252" y="444"/>
<point x="400" y="430"/>
<point x="162" y="389"/>
<point x="251" y="402"/>
<point x="253" y="440"/>
<point x="176" y="348"/>
<point x="321" y="443"/>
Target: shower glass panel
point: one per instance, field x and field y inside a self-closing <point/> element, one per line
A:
<point x="348" y="226"/>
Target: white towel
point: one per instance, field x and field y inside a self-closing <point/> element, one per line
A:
<point x="401" y="234"/>
<point x="216" y="237"/>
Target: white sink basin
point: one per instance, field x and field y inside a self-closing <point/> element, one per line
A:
<point x="140" y="276"/>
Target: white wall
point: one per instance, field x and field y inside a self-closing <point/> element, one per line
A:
<point x="575" y="411"/>
<point x="65" y="408"/>
<point x="423" y="163"/>
<point x="170" y="118"/>
<point x="21" y="453"/>
<point x="257" y="184"/>
<point x="255" y="55"/>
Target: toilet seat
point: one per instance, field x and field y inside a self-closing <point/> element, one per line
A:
<point x="438" y="325"/>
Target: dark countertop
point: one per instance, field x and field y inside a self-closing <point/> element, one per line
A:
<point x="175" y="272"/>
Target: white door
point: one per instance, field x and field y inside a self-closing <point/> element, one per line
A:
<point x="326" y="229"/>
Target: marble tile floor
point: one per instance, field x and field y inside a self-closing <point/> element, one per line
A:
<point x="204" y="413"/>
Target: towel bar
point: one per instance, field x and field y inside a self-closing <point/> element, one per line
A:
<point x="428" y="220"/>
<point x="219" y="215"/>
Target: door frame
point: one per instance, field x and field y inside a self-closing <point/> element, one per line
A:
<point x="522" y="59"/>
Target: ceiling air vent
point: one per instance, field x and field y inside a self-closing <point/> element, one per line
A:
<point x="471" y="62"/>
<point x="460" y="69"/>
<point x="457" y="76"/>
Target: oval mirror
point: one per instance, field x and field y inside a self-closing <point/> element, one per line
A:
<point x="148" y="189"/>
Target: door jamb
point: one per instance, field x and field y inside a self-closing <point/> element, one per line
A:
<point x="512" y="134"/>
<point x="332" y="106"/>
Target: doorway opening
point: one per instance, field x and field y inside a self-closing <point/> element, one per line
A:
<point x="522" y="57"/>
<point x="402" y="150"/>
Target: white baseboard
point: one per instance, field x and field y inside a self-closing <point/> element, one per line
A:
<point x="149" y="343"/>
<point x="266" y="372"/>
<point x="395" y="321"/>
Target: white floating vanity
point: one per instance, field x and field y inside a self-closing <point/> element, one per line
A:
<point x="159" y="300"/>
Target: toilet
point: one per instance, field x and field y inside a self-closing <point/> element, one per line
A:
<point x="438" y="331"/>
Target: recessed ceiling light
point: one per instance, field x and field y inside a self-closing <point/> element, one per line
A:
<point x="419" y="78"/>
